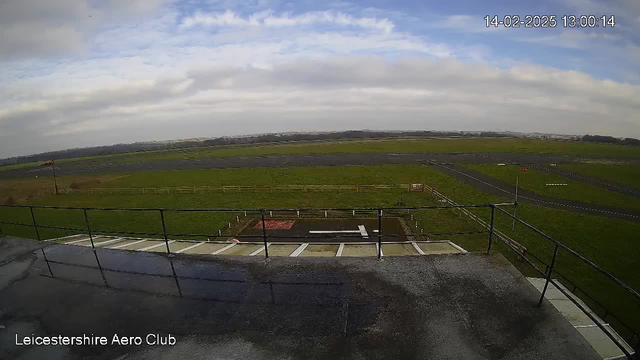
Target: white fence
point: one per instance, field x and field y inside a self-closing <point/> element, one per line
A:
<point x="243" y="188"/>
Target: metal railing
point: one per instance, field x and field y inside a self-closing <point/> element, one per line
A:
<point x="265" y="236"/>
<point x="380" y="212"/>
<point x="550" y="269"/>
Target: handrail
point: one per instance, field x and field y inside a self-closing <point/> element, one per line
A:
<point x="573" y="252"/>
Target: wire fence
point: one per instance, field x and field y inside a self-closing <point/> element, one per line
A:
<point x="242" y="188"/>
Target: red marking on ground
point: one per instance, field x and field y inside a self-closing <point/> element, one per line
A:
<point x="276" y="224"/>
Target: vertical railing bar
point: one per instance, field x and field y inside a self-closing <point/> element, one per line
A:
<point x="379" y="234"/>
<point x="164" y="231"/>
<point x="493" y="211"/>
<point x="264" y="235"/>
<point x="548" y="277"/>
<point x="35" y="225"/>
<point x="86" y="220"/>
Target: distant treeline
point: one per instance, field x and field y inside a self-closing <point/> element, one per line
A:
<point x="611" y="140"/>
<point x="240" y="140"/>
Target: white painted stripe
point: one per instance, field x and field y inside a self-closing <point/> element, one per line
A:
<point x="127" y="244"/>
<point x="107" y="242"/>
<point x="415" y="246"/>
<point x="189" y="248"/>
<point x="224" y="248"/>
<point x="259" y="250"/>
<point x="458" y="247"/>
<point x="156" y="245"/>
<point x="587" y="326"/>
<point x="340" y="250"/>
<point x="77" y="241"/>
<point x="65" y="237"/>
<point x="363" y="231"/>
<point x="334" y="231"/>
<point x="299" y="250"/>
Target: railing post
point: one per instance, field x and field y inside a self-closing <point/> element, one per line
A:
<point x="379" y="234"/>
<point x="546" y="284"/>
<point x="35" y="225"/>
<point x="493" y="213"/>
<point x="164" y="231"/>
<point x="264" y="235"/>
<point x="86" y="220"/>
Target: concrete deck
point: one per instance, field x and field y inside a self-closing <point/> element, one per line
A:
<point x="414" y="307"/>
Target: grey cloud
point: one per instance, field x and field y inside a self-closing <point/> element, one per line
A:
<point x="328" y="94"/>
<point x="35" y="28"/>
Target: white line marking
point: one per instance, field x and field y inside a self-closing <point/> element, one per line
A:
<point x="299" y="250"/>
<point x="415" y="246"/>
<point x="107" y="242"/>
<point x="127" y="244"/>
<point x="457" y="247"/>
<point x="189" y="248"/>
<point x="224" y="248"/>
<point x="259" y="250"/>
<point x="77" y="241"/>
<point x="334" y="231"/>
<point x="340" y="250"/>
<point x="65" y="237"/>
<point x="156" y="245"/>
<point x="588" y="326"/>
<point x="363" y="231"/>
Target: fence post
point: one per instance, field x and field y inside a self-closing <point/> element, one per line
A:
<point x="86" y="220"/>
<point x="164" y="231"/>
<point x="379" y="234"/>
<point x="550" y="271"/>
<point x="493" y="212"/>
<point x="264" y="235"/>
<point x="35" y="225"/>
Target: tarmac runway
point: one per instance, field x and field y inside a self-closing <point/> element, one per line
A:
<point x="496" y="187"/>
<point x="446" y="161"/>
<point x="93" y="167"/>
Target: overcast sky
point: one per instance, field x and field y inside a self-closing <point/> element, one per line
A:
<point x="79" y="73"/>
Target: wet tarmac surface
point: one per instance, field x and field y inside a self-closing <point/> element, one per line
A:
<point x="429" y="307"/>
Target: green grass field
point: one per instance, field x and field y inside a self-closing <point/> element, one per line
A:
<point x="608" y="242"/>
<point x="575" y="190"/>
<point x="622" y="174"/>
<point x="415" y="145"/>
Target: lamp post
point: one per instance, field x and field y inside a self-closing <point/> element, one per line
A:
<point x="55" y="182"/>
<point x="52" y="163"/>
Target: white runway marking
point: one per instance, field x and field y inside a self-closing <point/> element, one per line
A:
<point x="107" y="242"/>
<point x="156" y="245"/>
<point x="299" y="250"/>
<point x="224" y="249"/>
<point x="77" y="241"/>
<point x="340" y="250"/>
<point x="127" y="244"/>
<point x="189" y="248"/>
<point x="363" y="231"/>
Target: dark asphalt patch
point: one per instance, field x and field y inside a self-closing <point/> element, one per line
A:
<point x="427" y="307"/>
